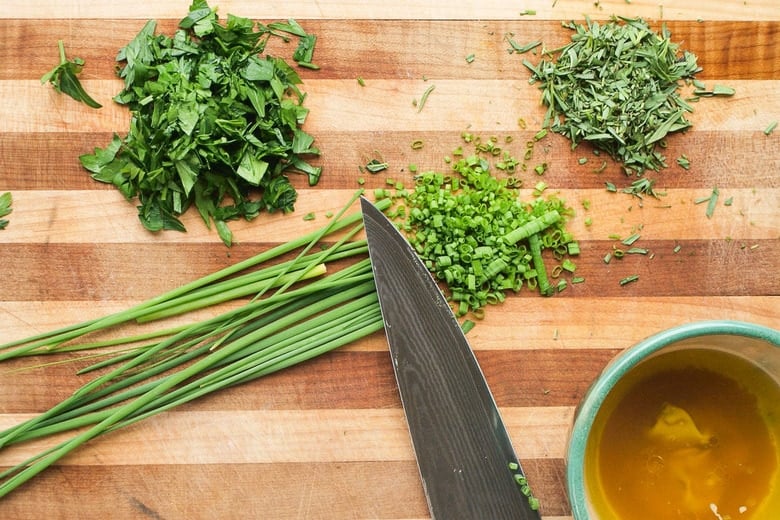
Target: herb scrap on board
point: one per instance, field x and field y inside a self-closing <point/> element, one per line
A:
<point x="64" y="78"/>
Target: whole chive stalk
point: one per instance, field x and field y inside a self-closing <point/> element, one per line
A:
<point x="265" y="335"/>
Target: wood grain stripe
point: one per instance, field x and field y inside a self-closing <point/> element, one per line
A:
<point x="396" y="48"/>
<point x="495" y="107"/>
<point x="63" y="217"/>
<point x="547" y="323"/>
<point x="56" y="165"/>
<point x="403" y="9"/>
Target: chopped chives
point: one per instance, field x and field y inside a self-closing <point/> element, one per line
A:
<point x="629" y="279"/>
<point x="424" y="97"/>
<point x="713" y="201"/>
<point x="486" y="245"/>
<point x="631" y="239"/>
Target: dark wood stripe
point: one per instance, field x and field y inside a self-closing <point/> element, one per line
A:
<point x="111" y="271"/>
<point x="50" y="160"/>
<point x="393" y="48"/>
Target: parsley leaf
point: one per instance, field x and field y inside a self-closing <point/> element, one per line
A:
<point x="5" y="208"/>
<point x="215" y="123"/>
<point x="64" y="78"/>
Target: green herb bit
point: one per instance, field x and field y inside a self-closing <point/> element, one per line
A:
<point x="770" y="128"/>
<point x="629" y="279"/>
<point x="539" y="188"/>
<point x="470" y="58"/>
<point x="528" y="12"/>
<point x="466" y="326"/>
<point x="601" y="168"/>
<point x="309" y="216"/>
<point x="521" y="49"/>
<point x="630" y="239"/>
<point x="677" y="248"/>
<point x="610" y="187"/>
<point x="717" y="90"/>
<point x="684" y="162"/>
<point x="361" y="81"/>
<point x="5" y="208"/>
<point x="64" y="78"/>
<point x="525" y="489"/>
<point x="424" y="97"/>
<point x="417" y="144"/>
<point x="376" y="166"/>
<point x="643" y="186"/>
<point x="712" y="202"/>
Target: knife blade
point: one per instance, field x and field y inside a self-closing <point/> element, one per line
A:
<point x="463" y="450"/>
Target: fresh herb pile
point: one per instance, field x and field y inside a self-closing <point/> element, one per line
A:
<point x="296" y="310"/>
<point x="477" y="236"/>
<point x="213" y="122"/>
<point x="616" y="86"/>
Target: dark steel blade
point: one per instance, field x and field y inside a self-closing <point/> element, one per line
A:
<point x="462" y="448"/>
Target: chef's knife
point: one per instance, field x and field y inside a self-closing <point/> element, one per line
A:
<point x="464" y="455"/>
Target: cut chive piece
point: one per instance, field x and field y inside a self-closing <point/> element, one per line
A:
<point x="629" y="279"/>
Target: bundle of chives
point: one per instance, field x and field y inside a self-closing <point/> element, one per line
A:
<point x="266" y="334"/>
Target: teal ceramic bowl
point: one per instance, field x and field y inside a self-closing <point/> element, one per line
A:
<point x="759" y="344"/>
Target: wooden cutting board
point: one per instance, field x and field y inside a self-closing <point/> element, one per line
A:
<point x="327" y="439"/>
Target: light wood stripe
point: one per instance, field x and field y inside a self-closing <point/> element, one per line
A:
<point x="495" y="106"/>
<point x="46" y="216"/>
<point x="547" y="323"/>
<point x="404" y="9"/>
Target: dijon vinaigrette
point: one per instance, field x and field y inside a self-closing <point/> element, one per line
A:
<point x="688" y="434"/>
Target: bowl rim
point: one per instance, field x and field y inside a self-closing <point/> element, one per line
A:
<point x="615" y="369"/>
